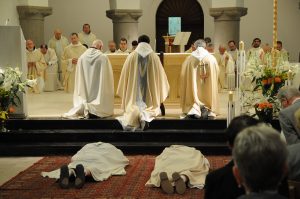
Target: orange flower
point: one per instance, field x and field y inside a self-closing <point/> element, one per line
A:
<point x="11" y="109"/>
<point x="277" y="79"/>
<point x="264" y="81"/>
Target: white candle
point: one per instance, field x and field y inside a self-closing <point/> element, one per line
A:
<point x="230" y="96"/>
<point x="242" y="45"/>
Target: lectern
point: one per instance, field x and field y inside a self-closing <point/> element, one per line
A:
<point x="181" y="39"/>
<point x="13" y="54"/>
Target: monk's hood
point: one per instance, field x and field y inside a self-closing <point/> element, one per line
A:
<point x="92" y="55"/>
<point x="143" y="49"/>
<point x="200" y="53"/>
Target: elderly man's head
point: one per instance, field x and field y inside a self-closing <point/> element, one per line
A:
<point x="57" y="34"/>
<point x="287" y="96"/>
<point x="112" y="46"/>
<point x="98" y="44"/>
<point x="29" y="45"/>
<point x="260" y="158"/>
<point x="222" y="49"/>
<point x="200" y="43"/>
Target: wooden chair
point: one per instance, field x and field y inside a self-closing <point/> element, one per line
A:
<point x="294" y="189"/>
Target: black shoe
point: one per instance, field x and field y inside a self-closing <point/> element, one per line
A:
<point x="64" y="177"/>
<point x="80" y="176"/>
<point x="162" y="109"/>
<point x="204" y="113"/>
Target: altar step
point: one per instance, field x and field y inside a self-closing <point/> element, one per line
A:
<point x="39" y="137"/>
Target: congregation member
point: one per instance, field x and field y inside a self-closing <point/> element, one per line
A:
<point x="99" y="160"/>
<point x="283" y="53"/>
<point x="143" y="86"/>
<point x="111" y="47"/>
<point x="134" y="44"/>
<point x="51" y="77"/>
<point x="255" y="53"/>
<point x="36" y="66"/>
<point x="221" y="182"/>
<point x="226" y="66"/>
<point x="260" y="162"/>
<point x="58" y="42"/>
<point x="86" y="36"/>
<point x="199" y="83"/>
<point x="94" y="85"/>
<point x="290" y="101"/>
<point x="233" y="50"/>
<point x="123" y="47"/>
<point x="69" y="61"/>
<point x="177" y="168"/>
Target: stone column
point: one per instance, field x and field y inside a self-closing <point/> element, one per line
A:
<point x="32" y="22"/>
<point x="125" y="23"/>
<point x="227" y="24"/>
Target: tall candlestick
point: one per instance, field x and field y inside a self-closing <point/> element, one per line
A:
<point x="230" y="96"/>
<point x="242" y="45"/>
<point x="274" y="54"/>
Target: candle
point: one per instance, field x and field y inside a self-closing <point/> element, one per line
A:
<point x="289" y="74"/>
<point x="242" y="46"/>
<point x="230" y="96"/>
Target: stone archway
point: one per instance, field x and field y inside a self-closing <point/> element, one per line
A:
<point x="192" y="19"/>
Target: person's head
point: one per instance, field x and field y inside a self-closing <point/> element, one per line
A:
<point x="57" y="34"/>
<point x="222" y="49"/>
<point x="144" y="38"/>
<point x="231" y="45"/>
<point x="200" y="43"/>
<point x="279" y="45"/>
<point x="238" y="124"/>
<point x="123" y="44"/>
<point x="112" y="46"/>
<point x="267" y="48"/>
<point x="207" y="40"/>
<point x="86" y="28"/>
<point x="287" y="95"/>
<point x="98" y="44"/>
<point x="210" y="48"/>
<point x="260" y="158"/>
<point x="134" y="44"/>
<point x="74" y="38"/>
<point x="44" y="48"/>
<point x="256" y="42"/>
<point x="30" y="45"/>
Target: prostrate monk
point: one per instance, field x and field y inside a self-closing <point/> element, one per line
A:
<point x="58" y="42"/>
<point x="123" y="47"/>
<point x="69" y="60"/>
<point x="94" y="84"/>
<point x="51" y="79"/>
<point x="143" y="86"/>
<point x="86" y="36"/>
<point x="36" y="66"/>
<point x="199" y="83"/>
<point x="226" y="66"/>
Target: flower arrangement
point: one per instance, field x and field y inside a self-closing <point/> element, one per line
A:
<point x="264" y="111"/>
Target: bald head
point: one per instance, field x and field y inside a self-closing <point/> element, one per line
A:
<point x="222" y="49"/>
<point x="57" y="34"/>
<point x="97" y="44"/>
<point x="29" y="45"/>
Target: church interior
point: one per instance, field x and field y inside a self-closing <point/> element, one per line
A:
<point x="39" y="138"/>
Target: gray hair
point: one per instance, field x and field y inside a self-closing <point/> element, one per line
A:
<point x="287" y="93"/>
<point x="97" y="44"/>
<point x="260" y="156"/>
<point x="200" y="43"/>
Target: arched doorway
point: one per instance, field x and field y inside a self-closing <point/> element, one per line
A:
<point x="192" y="19"/>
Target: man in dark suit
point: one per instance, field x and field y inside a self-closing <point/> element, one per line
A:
<point x="221" y="183"/>
<point x="290" y="101"/>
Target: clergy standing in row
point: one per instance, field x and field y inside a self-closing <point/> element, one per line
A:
<point x="143" y="86"/>
<point x="94" y="85"/>
<point x="86" y="36"/>
<point x="199" y="82"/>
<point x="58" y="42"/>
<point x="123" y="47"/>
<point x="256" y="53"/>
<point x="51" y="79"/>
<point x="69" y="61"/>
<point x="111" y="47"/>
<point x="36" y="66"/>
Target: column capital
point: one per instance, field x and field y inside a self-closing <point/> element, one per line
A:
<point x="228" y="13"/>
<point x="37" y="12"/>
<point x="124" y="15"/>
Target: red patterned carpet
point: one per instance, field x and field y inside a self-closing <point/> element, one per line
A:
<point x="29" y="184"/>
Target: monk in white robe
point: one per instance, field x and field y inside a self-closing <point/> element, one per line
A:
<point x="256" y="53"/>
<point x="36" y="66"/>
<point x="184" y="162"/>
<point x="94" y="84"/>
<point x="100" y="160"/>
<point x="69" y="61"/>
<point x="199" y="82"/>
<point x="123" y="47"/>
<point x="283" y="54"/>
<point x="143" y="86"/>
<point x="111" y="47"/>
<point x="226" y="66"/>
<point x="51" y="77"/>
<point x="86" y="36"/>
<point x="58" y="42"/>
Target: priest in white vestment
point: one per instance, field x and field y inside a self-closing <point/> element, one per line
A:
<point x="123" y="47"/>
<point x="51" y="77"/>
<point x="283" y="53"/>
<point x="226" y="66"/>
<point x="199" y="82"/>
<point x="233" y="51"/>
<point x="69" y="61"/>
<point x="36" y="66"/>
<point x="189" y="163"/>
<point x="100" y="160"/>
<point x="86" y="36"/>
<point x="256" y="53"/>
<point x="111" y="47"/>
<point x="94" y="84"/>
<point x="58" y="42"/>
<point x="143" y="86"/>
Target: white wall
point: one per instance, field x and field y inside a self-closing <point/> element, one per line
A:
<point x="33" y="2"/>
<point x="9" y="11"/>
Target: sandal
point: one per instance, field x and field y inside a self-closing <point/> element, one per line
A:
<point x="180" y="185"/>
<point x="80" y="176"/>
<point x="165" y="184"/>
<point x="64" y="177"/>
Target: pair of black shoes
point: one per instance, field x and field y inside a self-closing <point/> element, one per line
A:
<point x="64" y="179"/>
<point x="204" y="114"/>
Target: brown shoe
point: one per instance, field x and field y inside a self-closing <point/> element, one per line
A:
<point x="180" y="185"/>
<point x="165" y="184"/>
